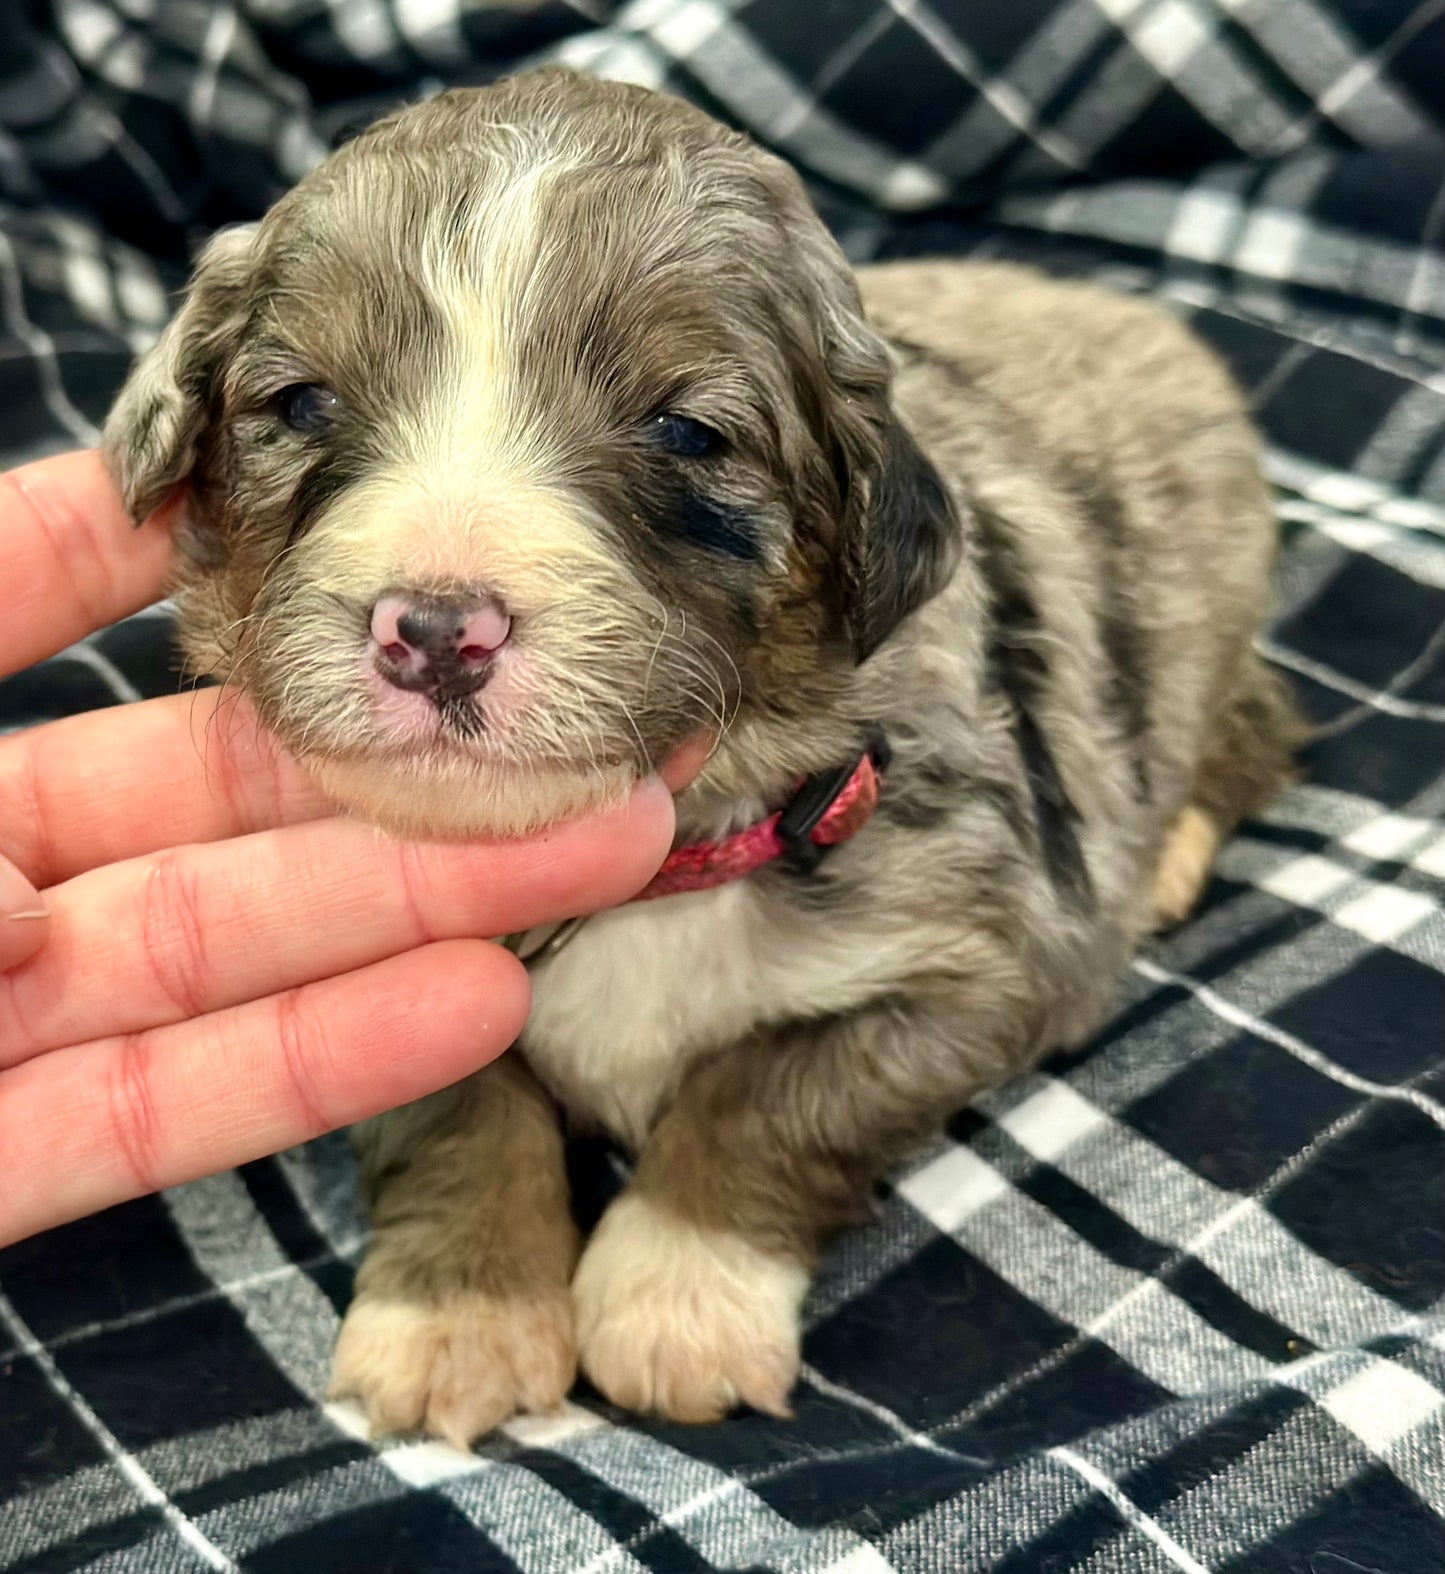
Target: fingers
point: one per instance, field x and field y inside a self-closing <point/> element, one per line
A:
<point x="84" y="792"/>
<point x="199" y="929"/>
<point x="101" y="1122"/>
<point x="22" y="917"/>
<point x="113" y="784"/>
<point x="70" y="559"/>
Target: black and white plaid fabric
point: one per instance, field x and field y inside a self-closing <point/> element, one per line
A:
<point x="1173" y="1303"/>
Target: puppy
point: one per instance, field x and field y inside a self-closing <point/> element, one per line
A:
<point x="543" y="428"/>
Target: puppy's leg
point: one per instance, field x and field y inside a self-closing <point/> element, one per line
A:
<point x="462" y="1314"/>
<point x="688" y="1296"/>
<point x="1183" y="870"/>
<point x="1247" y="760"/>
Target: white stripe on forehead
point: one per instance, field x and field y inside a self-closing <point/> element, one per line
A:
<point x="479" y="277"/>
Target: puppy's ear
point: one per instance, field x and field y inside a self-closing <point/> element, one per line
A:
<point x="898" y="533"/>
<point x="901" y="535"/>
<point x="150" y="435"/>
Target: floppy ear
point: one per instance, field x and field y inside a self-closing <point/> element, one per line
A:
<point x="150" y="435"/>
<point x="899" y="533"/>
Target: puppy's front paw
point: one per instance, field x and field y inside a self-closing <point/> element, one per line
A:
<point x="684" y="1322"/>
<point x="455" y="1369"/>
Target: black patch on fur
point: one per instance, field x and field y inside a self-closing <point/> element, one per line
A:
<point x="460" y="716"/>
<point x="328" y="477"/>
<point x="1119" y="631"/>
<point x="908" y="543"/>
<point x="1019" y="670"/>
<point x="716" y="527"/>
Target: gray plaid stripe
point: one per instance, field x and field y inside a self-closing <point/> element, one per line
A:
<point x="137" y="1478"/>
<point x="1270" y="244"/>
<point x="231" y="1243"/>
<point x="982" y="1526"/>
<point x="1235" y="1236"/>
<point x="1180" y="40"/>
<point x="40" y="347"/>
<point x="728" y="1525"/>
<point x="1317" y="50"/>
<point x="1114" y="96"/>
<point x="1304" y="1460"/>
<point x="1035" y="73"/>
<point x="727" y="61"/>
<point x="89" y="1498"/>
<point x="1030" y="1247"/>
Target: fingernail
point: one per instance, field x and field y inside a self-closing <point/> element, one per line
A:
<point x="650" y="790"/>
<point x="18" y="898"/>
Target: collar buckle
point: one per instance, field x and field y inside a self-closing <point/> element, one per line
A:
<point x="807" y="808"/>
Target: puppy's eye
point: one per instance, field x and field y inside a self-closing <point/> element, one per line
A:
<point x="681" y="435"/>
<point x="307" y="407"/>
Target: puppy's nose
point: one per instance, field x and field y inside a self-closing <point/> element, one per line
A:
<point x="437" y="644"/>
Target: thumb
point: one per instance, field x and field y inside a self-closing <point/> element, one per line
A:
<point x="23" y="925"/>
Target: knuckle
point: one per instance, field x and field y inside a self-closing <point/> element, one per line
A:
<point x="297" y="1034"/>
<point x="411" y="883"/>
<point x="134" y="1127"/>
<point x="69" y="537"/>
<point x="25" y="837"/>
<point x="174" y="939"/>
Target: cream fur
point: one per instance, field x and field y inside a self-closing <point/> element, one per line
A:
<point x="455" y="1370"/>
<point x="684" y="1321"/>
<point x="641" y="991"/>
<point x="1184" y="869"/>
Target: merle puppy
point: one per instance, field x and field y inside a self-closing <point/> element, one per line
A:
<point x="544" y="427"/>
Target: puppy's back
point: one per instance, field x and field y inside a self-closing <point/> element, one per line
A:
<point x="1106" y="451"/>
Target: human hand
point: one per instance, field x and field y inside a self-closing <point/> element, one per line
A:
<point x="224" y="967"/>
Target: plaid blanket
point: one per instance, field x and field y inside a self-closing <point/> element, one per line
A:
<point x="1171" y="1303"/>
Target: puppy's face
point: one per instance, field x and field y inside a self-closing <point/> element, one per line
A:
<point x="535" y="432"/>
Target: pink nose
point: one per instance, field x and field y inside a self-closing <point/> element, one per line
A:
<point x="437" y="644"/>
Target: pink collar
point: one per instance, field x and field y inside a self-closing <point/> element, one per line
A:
<point x="828" y="808"/>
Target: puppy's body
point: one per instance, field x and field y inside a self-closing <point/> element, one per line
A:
<point x="1017" y="524"/>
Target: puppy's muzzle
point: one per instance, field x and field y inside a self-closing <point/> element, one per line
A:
<point x="442" y="646"/>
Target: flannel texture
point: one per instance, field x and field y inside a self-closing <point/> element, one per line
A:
<point x="1171" y="1303"/>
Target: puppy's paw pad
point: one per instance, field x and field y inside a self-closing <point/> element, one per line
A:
<point x="454" y="1370"/>
<point x="683" y="1322"/>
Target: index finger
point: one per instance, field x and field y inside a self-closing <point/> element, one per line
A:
<point x="70" y="558"/>
<point x="95" y="1123"/>
<point x="113" y="784"/>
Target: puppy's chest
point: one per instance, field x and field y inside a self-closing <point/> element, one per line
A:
<point x="642" y="991"/>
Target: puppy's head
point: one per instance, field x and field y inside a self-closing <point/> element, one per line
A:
<point x="536" y="431"/>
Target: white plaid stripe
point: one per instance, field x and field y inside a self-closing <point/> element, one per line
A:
<point x="1171" y="1203"/>
<point x="729" y="1525"/>
<point x="1353" y="494"/>
<point x="1384" y="914"/>
<point x="1320" y="54"/>
<point x="1272" y="245"/>
<point x="727" y="61"/>
<point x="124" y="1463"/>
